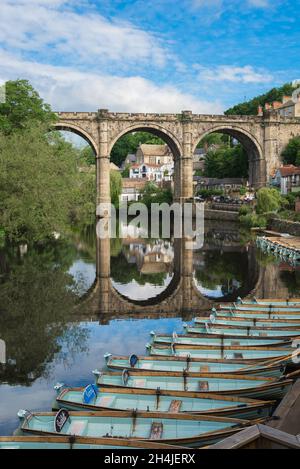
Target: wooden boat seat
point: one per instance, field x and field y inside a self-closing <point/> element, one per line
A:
<point x="175" y="406"/>
<point x="204" y="369"/>
<point x="156" y="431"/>
<point x="77" y="427"/>
<point x="105" y="401"/>
<point x="203" y="386"/>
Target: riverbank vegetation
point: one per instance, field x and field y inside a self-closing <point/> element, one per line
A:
<point x="269" y="204"/>
<point x="154" y="194"/>
<point x="47" y="185"/>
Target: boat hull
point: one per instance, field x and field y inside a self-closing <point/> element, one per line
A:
<point x="159" y="364"/>
<point x="241" y="386"/>
<point x="183" y="430"/>
<point x="143" y="400"/>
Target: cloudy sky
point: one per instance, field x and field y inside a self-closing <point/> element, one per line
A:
<point x="150" y="56"/>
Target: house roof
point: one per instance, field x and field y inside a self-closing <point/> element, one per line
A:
<point x="155" y="150"/>
<point x="148" y="165"/>
<point x="289" y="170"/>
<point x="128" y="183"/>
<point x="114" y="167"/>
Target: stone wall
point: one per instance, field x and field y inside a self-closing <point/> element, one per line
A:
<point x="284" y="226"/>
<point x="220" y="215"/>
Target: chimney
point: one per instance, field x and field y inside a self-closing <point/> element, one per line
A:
<point x="260" y="111"/>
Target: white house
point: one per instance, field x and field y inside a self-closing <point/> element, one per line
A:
<point x="152" y="172"/>
<point x="287" y="178"/>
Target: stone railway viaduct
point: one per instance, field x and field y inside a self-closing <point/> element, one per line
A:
<point x="264" y="138"/>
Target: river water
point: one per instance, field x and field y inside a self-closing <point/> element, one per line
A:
<point x="57" y="325"/>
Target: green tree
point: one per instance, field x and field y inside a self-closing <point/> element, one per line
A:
<point x="226" y="162"/>
<point x="129" y="144"/>
<point x="87" y="155"/>
<point x="251" y="107"/>
<point x="36" y="184"/>
<point x="152" y="193"/>
<point x="23" y="105"/>
<point x="291" y="153"/>
<point x="126" y="172"/>
<point x="115" y="187"/>
<point x="268" y="200"/>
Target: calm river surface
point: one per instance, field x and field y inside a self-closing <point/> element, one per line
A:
<point x="52" y="335"/>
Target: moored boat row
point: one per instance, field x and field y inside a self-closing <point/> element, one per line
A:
<point x="192" y="389"/>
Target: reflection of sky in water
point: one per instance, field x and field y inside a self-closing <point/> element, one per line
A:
<point x="135" y="291"/>
<point x="118" y="337"/>
<point x="215" y="293"/>
<point x="84" y="273"/>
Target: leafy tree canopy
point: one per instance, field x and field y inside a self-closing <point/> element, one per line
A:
<point x="129" y="144"/>
<point x="291" y="154"/>
<point x="115" y="187"/>
<point x="226" y="162"/>
<point x="268" y="200"/>
<point x="37" y="173"/>
<point x="250" y="107"/>
<point x="22" y="106"/>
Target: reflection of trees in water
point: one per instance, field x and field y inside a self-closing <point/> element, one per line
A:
<point x="124" y="272"/>
<point x="291" y="280"/>
<point x="227" y="270"/>
<point x="37" y="298"/>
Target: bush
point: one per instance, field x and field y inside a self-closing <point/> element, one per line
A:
<point x="268" y="200"/>
<point x="243" y="190"/>
<point x="207" y="193"/>
<point x="252" y="220"/>
<point x="245" y="209"/>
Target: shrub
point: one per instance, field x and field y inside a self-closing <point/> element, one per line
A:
<point x="207" y="193"/>
<point x="252" y="220"/>
<point x="268" y="200"/>
<point x="245" y="209"/>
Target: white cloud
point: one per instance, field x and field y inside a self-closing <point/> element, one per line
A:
<point x="246" y="74"/>
<point x="56" y="29"/>
<point x="224" y="4"/>
<point x="68" y="89"/>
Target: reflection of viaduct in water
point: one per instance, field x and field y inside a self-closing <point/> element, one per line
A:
<point x="180" y="298"/>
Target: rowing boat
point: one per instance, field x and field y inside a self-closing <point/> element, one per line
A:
<point x="72" y="442"/>
<point x="249" y="332"/>
<point x="194" y="339"/>
<point x="238" y="353"/>
<point x="174" y="429"/>
<point x="92" y="398"/>
<point x="162" y="364"/>
<point x="254" y="387"/>
<point x="270" y="301"/>
<point x="223" y="320"/>
<point x="257" y="314"/>
<point x="258" y="307"/>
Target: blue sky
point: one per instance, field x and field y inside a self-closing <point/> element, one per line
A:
<point x="158" y="56"/>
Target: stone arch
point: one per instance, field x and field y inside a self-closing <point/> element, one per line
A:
<point x="78" y="131"/>
<point x="158" y="131"/>
<point x="257" y="162"/>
